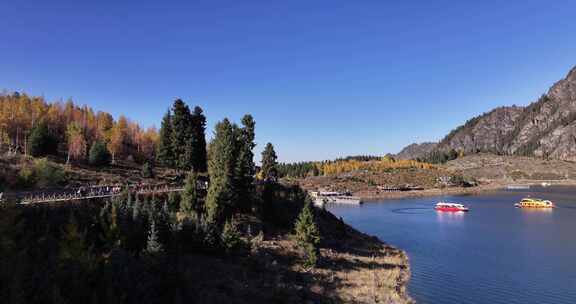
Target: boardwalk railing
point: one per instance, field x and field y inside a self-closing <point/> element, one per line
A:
<point x="95" y="192"/>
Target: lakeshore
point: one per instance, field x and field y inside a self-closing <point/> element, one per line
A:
<point x="355" y="267"/>
<point x="372" y="196"/>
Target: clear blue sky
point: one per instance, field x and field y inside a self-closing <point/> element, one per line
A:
<point x="322" y="78"/>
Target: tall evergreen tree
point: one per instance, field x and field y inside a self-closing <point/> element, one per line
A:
<point x="181" y="136"/>
<point x="165" y="152"/>
<point x="153" y="245"/>
<point x="221" y="170"/>
<point x="245" y="167"/>
<point x="308" y="235"/>
<point x="41" y="142"/>
<point x="73" y="246"/>
<point x="197" y="144"/>
<point x="189" y="201"/>
<point x="269" y="170"/>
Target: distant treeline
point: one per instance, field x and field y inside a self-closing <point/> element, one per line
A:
<point x="347" y="164"/>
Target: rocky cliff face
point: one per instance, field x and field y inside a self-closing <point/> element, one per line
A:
<point x="488" y="132"/>
<point x="545" y="128"/>
<point x="415" y="151"/>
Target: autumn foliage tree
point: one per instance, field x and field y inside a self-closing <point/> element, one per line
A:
<point x="31" y="124"/>
<point x="118" y="139"/>
<point x="77" y="146"/>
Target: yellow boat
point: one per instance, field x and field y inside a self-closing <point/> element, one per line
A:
<point x="534" y="203"/>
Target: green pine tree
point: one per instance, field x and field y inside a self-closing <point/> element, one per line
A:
<point x="181" y="136"/>
<point x="245" y="167"/>
<point x="153" y="245"/>
<point x="41" y="142"/>
<point x="220" y="196"/>
<point x="269" y="163"/>
<point x="230" y="237"/>
<point x="73" y="246"/>
<point x="165" y="153"/>
<point x="197" y="144"/>
<point x="99" y="155"/>
<point x="189" y="201"/>
<point x="308" y="235"/>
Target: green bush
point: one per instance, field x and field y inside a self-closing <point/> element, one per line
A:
<point x="41" y="174"/>
<point x="147" y="170"/>
<point x="174" y="201"/>
<point x="230" y="237"/>
<point x="26" y="178"/>
<point x="48" y="174"/>
<point x="99" y="155"/>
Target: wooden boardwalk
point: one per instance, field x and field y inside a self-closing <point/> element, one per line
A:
<point x="100" y="192"/>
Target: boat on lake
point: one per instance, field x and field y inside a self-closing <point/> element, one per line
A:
<point x="534" y="203"/>
<point x="450" y="207"/>
<point x="518" y="187"/>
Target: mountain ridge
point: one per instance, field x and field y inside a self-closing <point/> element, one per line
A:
<point x="545" y="128"/>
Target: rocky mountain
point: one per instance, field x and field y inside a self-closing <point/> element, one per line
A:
<point x="488" y="132"/>
<point x="414" y="151"/>
<point x="545" y="128"/>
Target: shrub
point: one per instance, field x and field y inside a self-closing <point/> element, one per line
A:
<point x="174" y="201"/>
<point x="230" y="237"/>
<point x="99" y="155"/>
<point x="41" y="174"/>
<point x="48" y="174"/>
<point x="147" y="170"/>
<point x="26" y="178"/>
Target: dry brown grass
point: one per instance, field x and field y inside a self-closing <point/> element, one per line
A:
<point x="371" y="273"/>
<point x="82" y="174"/>
<point x="353" y="268"/>
<point x="510" y="168"/>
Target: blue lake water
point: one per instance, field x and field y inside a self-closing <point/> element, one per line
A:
<point x="493" y="254"/>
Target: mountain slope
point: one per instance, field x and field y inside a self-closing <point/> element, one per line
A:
<point x="415" y="151"/>
<point x="545" y="128"/>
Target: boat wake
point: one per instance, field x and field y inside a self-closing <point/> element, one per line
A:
<point x="411" y="210"/>
<point x="561" y="206"/>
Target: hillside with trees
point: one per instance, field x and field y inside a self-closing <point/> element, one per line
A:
<point x="33" y="126"/>
<point x="233" y="234"/>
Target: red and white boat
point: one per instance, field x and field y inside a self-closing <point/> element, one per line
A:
<point x="450" y="207"/>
